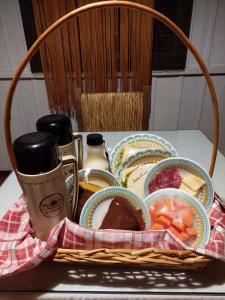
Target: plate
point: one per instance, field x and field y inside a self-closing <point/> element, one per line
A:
<point x="201" y="220"/>
<point x="98" y="177"/>
<point x="142" y="140"/>
<point x="184" y="167"/>
<point x="97" y="205"/>
<point x="148" y="156"/>
<point x="95" y="176"/>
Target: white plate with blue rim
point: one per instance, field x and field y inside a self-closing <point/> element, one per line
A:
<point x="141" y="141"/>
<point x="98" y="177"/>
<point x="148" y="156"/>
<point x="97" y="206"/>
<point x="200" y="218"/>
<point x="181" y="167"/>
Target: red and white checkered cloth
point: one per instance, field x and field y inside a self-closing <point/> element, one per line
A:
<point x="20" y="250"/>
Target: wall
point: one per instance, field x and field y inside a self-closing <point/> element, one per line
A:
<point x="180" y="100"/>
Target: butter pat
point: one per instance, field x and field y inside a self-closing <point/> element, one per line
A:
<point x="185" y="188"/>
<point x="193" y="182"/>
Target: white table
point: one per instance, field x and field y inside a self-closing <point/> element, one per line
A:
<point x="53" y="281"/>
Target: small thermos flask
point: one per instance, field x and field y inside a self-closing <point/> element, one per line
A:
<point x="96" y="153"/>
<point x="60" y="126"/>
<point x="40" y="174"/>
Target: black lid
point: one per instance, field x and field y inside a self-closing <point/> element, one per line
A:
<point x="59" y="125"/>
<point x="95" y="139"/>
<point x="36" y="153"/>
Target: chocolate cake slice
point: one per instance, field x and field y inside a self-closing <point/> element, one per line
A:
<point x="123" y="215"/>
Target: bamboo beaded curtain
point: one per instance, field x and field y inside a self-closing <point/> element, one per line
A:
<point x="105" y="50"/>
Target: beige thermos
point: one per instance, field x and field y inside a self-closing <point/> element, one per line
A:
<point x="60" y="126"/>
<point x="40" y="174"/>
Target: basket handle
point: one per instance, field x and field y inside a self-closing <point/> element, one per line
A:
<point x="135" y="6"/>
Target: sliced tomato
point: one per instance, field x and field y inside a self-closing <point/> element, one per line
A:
<point x="175" y="215"/>
<point x="164" y="221"/>
<point x="165" y="213"/>
<point x="174" y="231"/>
<point x="157" y="226"/>
<point x="183" y="236"/>
<point x="152" y="213"/>
<point x="187" y="216"/>
<point x="191" y="231"/>
<point x="178" y="224"/>
<point x="180" y="205"/>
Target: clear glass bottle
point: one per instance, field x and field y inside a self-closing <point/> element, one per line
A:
<point x="96" y="153"/>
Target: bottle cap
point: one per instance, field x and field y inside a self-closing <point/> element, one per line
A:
<point x="59" y="125"/>
<point x="95" y="139"/>
<point x="36" y="153"/>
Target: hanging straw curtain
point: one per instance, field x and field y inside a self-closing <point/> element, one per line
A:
<point x="107" y="50"/>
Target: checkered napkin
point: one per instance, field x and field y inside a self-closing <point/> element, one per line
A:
<point x="20" y="250"/>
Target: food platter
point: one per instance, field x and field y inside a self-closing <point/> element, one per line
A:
<point x="181" y="173"/>
<point x="97" y="205"/>
<point x="140" y="141"/>
<point x="184" y="211"/>
<point x="147" y="156"/>
<point x="96" y="177"/>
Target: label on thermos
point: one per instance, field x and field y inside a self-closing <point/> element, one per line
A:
<point x="52" y="205"/>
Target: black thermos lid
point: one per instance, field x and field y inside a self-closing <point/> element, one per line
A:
<point x="36" y="153"/>
<point x="95" y="139"/>
<point x="59" y="125"/>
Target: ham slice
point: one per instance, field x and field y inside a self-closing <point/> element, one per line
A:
<point x="168" y="178"/>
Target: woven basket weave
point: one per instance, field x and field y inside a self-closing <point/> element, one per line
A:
<point x="146" y="257"/>
<point x="149" y="257"/>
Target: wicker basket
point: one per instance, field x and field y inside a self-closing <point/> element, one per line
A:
<point x="147" y="257"/>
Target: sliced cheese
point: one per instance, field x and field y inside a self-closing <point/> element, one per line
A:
<point x="193" y="182"/>
<point x="89" y="187"/>
<point x="185" y="188"/>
